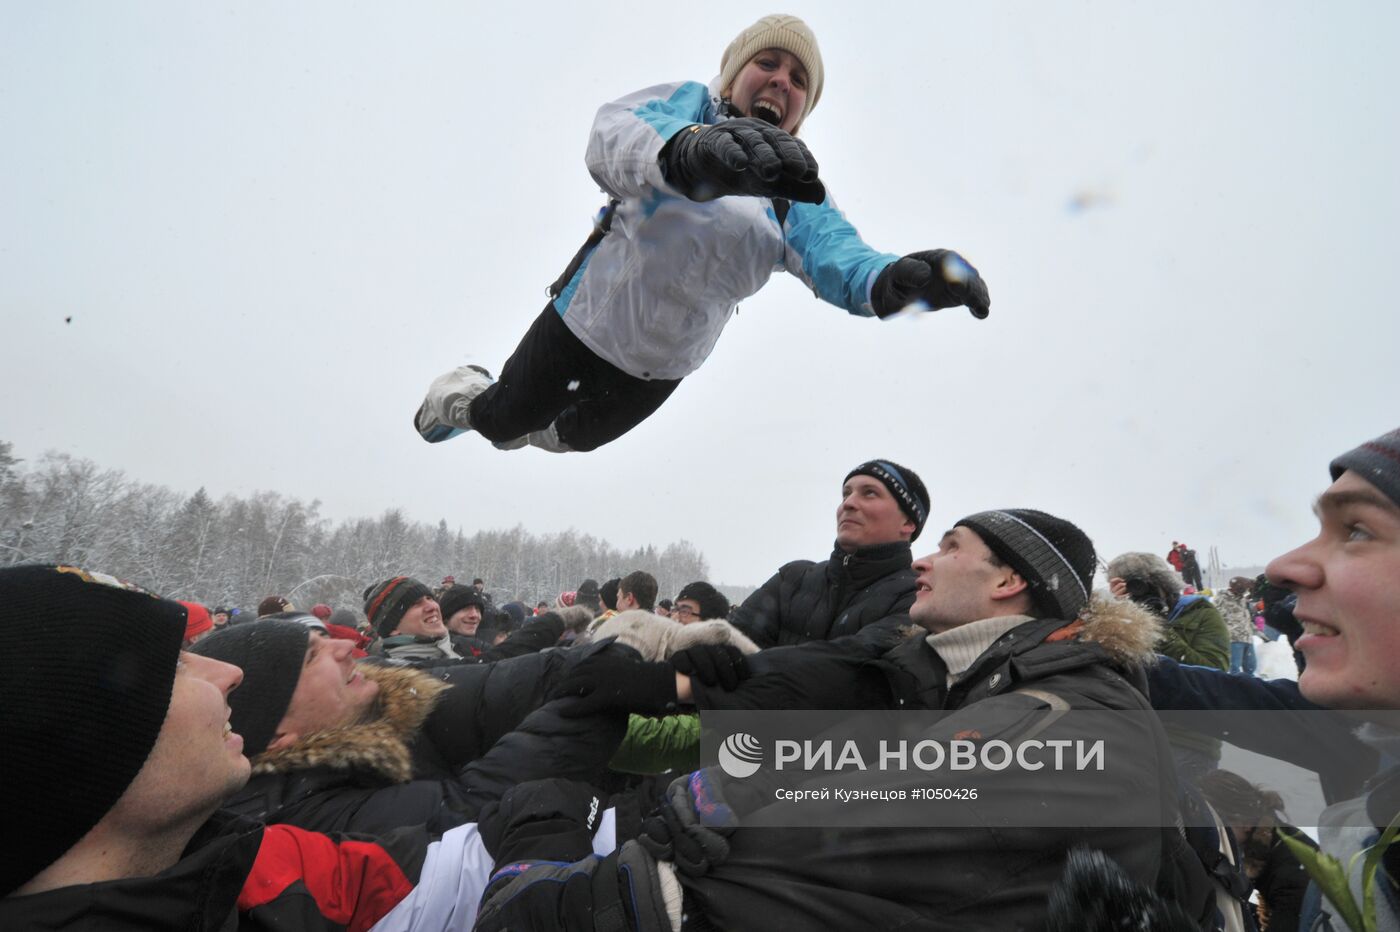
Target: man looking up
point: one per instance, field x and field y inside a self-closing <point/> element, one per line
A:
<point x="342" y="746"/>
<point x="867" y="577"/>
<point x="120" y="748"/>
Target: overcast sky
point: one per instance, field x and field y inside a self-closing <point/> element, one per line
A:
<point x="272" y="224"/>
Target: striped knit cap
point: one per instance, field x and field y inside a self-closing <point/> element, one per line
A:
<point x="1377" y="461"/>
<point x="777" y="31"/>
<point x="1054" y="557"/>
<point x="386" y="603"/>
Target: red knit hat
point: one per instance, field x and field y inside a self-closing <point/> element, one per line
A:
<point x="197" y="620"/>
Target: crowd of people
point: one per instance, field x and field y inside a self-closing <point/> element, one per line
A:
<point x="427" y="759"/>
<point x="432" y="761"/>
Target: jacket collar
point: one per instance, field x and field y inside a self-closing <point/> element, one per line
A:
<point x="1117" y="633"/>
<point x="866" y="564"/>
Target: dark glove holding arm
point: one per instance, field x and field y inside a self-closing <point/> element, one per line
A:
<point x="743" y="156"/>
<point x="677" y="832"/>
<point x="721" y="665"/>
<point x="619" y="893"/>
<point x="938" y="278"/>
<point x="612" y="681"/>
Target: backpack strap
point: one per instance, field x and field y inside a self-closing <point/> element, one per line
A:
<point x="601" y="225"/>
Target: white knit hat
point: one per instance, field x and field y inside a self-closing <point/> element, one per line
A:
<point x="777" y="31"/>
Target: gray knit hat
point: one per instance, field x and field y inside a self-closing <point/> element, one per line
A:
<point x="1054" y="557"/>
<point x="1377" y="461"/>
<point x="776" y="31"/>
<point x="271" y="655"/>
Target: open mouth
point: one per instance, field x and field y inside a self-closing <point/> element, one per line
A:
<point x="767" y="111"/>
<point x="1318" y="629"/>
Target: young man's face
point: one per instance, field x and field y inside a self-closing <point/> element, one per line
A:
<point x="771" y="87"/>
<point x="423" y="618"/>
<point x="465" y="621"/>
<point x="197" y="761"/>
<point x="686" y="611"/>
<point x="869" y="515"/>
<point x="332" y="691"/>
<point x="955" y="583"/>
<point x="1348" y="585"/>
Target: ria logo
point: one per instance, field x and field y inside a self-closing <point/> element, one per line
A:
<point x="740" y="755"/>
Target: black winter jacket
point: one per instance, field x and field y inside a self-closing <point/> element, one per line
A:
<point x="995" y="876"/>
<point x="807" y="601"/>
<point x="444" y="744"/>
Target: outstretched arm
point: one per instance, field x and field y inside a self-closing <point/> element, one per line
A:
<point x="827" y="253"/>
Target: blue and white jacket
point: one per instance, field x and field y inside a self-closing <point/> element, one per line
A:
<point x="654" y="295"/>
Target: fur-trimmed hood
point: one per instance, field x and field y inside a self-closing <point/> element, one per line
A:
<point x="1150" y="568"/>
<point x="379" y="746"/>
<point x="1125" y="630"/>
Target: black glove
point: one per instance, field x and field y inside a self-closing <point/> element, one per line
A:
<point x="612" y="681"/>
<point x="743" y="156"/>
<point x="619" y="893"/>
<point x="562" y="897"/>
<point x="721" y="665"/>
<point x="939" y="278"/>
<point x="549" y="819"/>
<point x="676" y="832"/>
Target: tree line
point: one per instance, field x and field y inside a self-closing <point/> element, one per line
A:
<point x="233" y="551"/>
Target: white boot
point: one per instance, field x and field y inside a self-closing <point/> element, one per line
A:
<point x="444" y="412"/>
<point x="548" y="439"/>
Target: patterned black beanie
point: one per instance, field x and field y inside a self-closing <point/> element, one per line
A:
<point x="1053" y="556"/>
<point x="271" y="655"/>
<point x="85" y="682"/>
<point x="1377" y="461"/>
<point x="386" y="603"/>
<point x="904" y="484"/>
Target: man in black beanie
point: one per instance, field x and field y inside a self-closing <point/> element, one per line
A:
<point x="118" y="755"/>
<point x="867" y="577"/>
<point x="343" y="746"/>
<point x="411" y="628"/>
<point x="700" y="601"/>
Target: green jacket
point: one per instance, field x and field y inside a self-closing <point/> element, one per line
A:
<point x="1196" y="634"/>
<point x="656" y="745"/>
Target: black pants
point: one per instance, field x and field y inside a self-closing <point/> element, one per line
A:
<point x="552" y="378"/>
